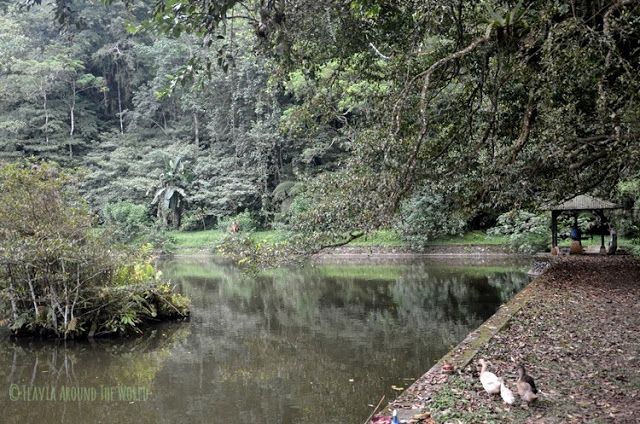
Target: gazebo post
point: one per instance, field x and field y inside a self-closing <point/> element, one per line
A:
<point x="600" y="213"/>
<point x="554" y="229"/>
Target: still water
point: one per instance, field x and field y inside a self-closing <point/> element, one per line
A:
<point x="314" y="345"/>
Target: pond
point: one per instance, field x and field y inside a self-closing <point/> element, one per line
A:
<point x="320" y="344"/>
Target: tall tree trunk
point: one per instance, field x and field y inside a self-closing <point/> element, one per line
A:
<point x="120" y="109"/>
<point x="12" y="298"/>
<point x="46" y="113"/>
<point x="65" y="290"/>
<point x="72" y="117"/>
<point x="72" y="109"/>
<point x="233" y="92"/>
<point x="196" y="130"/>
<point x="33" y="293"/>
<point x="120" y="117"/>
<point x="104" y="95"/>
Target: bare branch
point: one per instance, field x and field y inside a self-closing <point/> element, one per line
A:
<point x="352" y="236"/>
<point x="525" y="130"/>
<point x="382" y="56"/>
<point x="407" y="176"/>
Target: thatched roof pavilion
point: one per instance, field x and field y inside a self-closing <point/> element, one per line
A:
<point x="575" y="205"/>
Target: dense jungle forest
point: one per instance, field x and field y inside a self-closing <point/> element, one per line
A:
<point x="330" y="119"/>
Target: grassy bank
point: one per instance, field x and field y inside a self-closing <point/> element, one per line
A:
<point x="470" y="238"/>
<point x="204" y="241"/>
<point x="201" y="241"/>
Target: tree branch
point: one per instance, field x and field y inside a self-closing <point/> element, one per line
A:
<point x="525" y="130"/>
<point x="382" y="56"/>
<point x="427" y="74"/>
<point x="352" y="236"/>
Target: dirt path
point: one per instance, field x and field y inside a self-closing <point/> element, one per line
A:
<point x="579" y="336"/>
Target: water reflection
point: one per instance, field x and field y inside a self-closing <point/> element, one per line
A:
<point x="82" y="382"/>
<point x="313" y="345"/>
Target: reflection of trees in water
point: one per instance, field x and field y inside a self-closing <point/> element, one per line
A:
<point x="438" y="303"/>
<point x="508" y="283"/>
<point x="269" y="338"/>
<point x="418" y="299"/>
<point x="132" y="362"/>
<point x="447" y="305"/>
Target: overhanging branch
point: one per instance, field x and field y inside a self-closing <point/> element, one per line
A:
<point x="353" y="235"/>
<point x="406" y="177"/>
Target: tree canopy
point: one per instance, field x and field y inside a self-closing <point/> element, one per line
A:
<point x="377" y="111"/>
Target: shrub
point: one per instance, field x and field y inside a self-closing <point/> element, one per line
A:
<point x="129" y="223"/>
<point x="58" y="275"/>
<point x="196" y="220"/>
<point x="626" y="224"/>
<point x="245" y="219"/>
<point x="427" y="216"/>
<point x="527" y="232"/>
<point x="128" y="219"/>
<point x="256" y="254"/>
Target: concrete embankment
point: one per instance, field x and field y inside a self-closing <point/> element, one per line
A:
<point x="444" y="250"/>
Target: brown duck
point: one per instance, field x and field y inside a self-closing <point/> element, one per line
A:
<point x="526" y="386"/>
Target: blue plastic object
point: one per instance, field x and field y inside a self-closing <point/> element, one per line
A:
<point x="394" y="417"/>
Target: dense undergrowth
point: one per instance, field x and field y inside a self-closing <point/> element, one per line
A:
<point x="62" y="277"/>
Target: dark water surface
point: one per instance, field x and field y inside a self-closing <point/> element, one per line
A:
<point x="312" y="345"/>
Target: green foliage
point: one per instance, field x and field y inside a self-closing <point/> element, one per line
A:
<point x="138" y="270"/>
<point x="338" y="207"/>
<point x="58" y="275"/>
<point x="128" y="219"/>
<point x="196" y="220"/>
<point x="486" y="103"/>
<point x="254" y="255"/>
<point x="627" y="221"/>
<point x="471" y="238"/>
<point x="245" y="220"/>
<point x="284" y="194"/>
<point x="521" y="222"/>
<point x="130" y="224"/>
<point x="380" y="238"/>
<point x="428" y="216"/>
<point x="217" y="140"/>
<point x="131" y="306"/>
<point x="527" y="232"/>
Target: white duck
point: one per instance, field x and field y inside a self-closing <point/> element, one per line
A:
<point x="506" y="393"/>
<point x="490" y="382"/>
